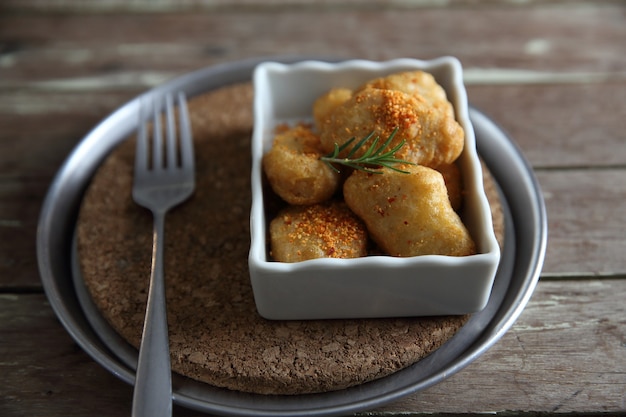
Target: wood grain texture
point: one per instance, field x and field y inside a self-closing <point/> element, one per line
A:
<point x="71" y="51"/>
<point x="587" y="220"/>
<point x="560" y="126"/>
<point x="38" y="132"/>
<point x="565" y="354"/>
<point x="46" y="373"/>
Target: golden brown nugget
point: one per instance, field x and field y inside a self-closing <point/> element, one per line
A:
<point x="408" y="214"/>
<point x="431" y="139"/>
<point x="294" y="169"/>
<point x="417" y="84"/>
<point x="328" y="230"/>
<point x="325" y="104"/>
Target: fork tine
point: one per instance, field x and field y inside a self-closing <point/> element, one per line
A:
<point x="141" y="154"/>
<point x="186" y="142"/>
<point x="157" y="138"/>
<point x="171" y="132"/>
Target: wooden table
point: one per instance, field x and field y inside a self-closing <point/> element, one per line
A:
<point x="551" y="73"/>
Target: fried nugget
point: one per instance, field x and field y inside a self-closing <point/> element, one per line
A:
<point x="418" y="84"/>
<point x="294" y="169"/>
<point x="325" y="104"/>
<point x="431" y="139"/>
<point x="408" y="214"/>
<point x="328" y="230"/>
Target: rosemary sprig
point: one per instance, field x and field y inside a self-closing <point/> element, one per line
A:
<point x="374" y="156"/>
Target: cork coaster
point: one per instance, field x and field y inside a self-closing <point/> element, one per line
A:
<point x="216" y="334"/>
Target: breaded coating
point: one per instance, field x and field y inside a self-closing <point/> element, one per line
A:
<point x="294" y="170"/>
<point x="416" y="84"/>
<point x="431" y="137"/>
<point x="408" y="214"/>
<point x="325" y="104"/>
<point x="328" y="230"/>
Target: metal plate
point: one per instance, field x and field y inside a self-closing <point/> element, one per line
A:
<point x="522" y="259"/>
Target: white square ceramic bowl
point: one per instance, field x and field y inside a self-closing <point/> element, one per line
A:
<point x="374" y="286"/>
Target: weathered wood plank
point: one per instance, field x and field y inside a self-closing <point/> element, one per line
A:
<point x="40" y="130"/>
<point x="38" y="133"/>
<point x="560" y="126"/>
<point x="564" y="354"/>
<point x="108" y="6"/>
<point x="43" y="49"/>
<point x="586" y="221"/>
<point x="46" y="373"/>
<point x="20" y="202"/>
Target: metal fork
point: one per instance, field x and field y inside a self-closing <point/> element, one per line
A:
<point x="162" y="180"/>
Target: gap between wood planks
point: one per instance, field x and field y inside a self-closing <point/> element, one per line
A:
<point x="580" y="276"/>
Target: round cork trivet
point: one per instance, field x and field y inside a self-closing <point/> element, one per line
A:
<point x="216" y="334"/>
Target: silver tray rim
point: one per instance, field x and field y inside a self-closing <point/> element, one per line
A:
<point x="522" y="259"/>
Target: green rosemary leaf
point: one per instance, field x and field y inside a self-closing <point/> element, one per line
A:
<point x="359" y="144"/>
<point x="374" y="157"/>
<point x="388" y="141"/>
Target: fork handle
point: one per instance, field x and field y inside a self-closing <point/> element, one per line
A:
<point x="152" y="395"/>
